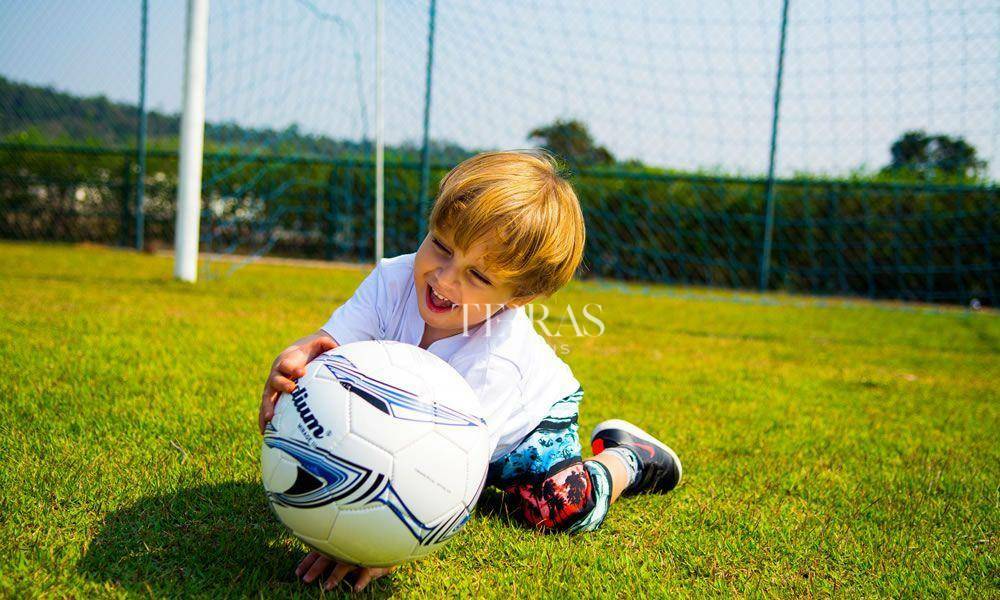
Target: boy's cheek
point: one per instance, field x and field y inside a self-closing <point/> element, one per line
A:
<point x="478" y="312"/>
<point x="469" y="316"/>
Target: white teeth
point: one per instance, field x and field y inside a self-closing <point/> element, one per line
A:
<point x="440" y="297"/>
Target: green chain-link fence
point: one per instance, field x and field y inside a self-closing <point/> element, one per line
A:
<point x="665" y="115"/>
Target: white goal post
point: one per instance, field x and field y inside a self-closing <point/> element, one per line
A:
<point x="186" y="234"/>
<point x="192" y="140"/>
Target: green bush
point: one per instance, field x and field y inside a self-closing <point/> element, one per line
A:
<point x="865" y="236"/>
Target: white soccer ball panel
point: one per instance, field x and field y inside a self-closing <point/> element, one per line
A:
<point x="453" y="391"/>
<point x="315" y="523"/>
<point x="374" y="537"/>
<point x="424" y="550"/>
<point x="430" y="476"/>
<point x="284" y="472"/>
<point x="373" y="362"/>
<point x="449" y="388"/>
<point x="362" y="452"/>
<point x="476" y="443"/>
<point x="318" y="399"/>
<point x="328" y="402"/>
<point x="270" y="460"/>
<point x="330" y="550"/>
<point x="478" y="460"/>
<point x="285" y="417"/>
<point x="315" y="544"/>
<point x="390" y="434"/>
<point x="376" y="360"/>
<point x="471" y="438"/>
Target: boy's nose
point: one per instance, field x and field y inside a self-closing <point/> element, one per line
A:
<point x="447" y="281"/>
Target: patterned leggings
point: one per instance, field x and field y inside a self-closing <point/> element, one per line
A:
<point x="556" y="489"/>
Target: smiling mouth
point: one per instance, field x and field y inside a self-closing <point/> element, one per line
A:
<point x="436" y="302"/>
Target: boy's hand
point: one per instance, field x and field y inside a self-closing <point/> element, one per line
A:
<point x="315" y="565"/>
<point x="290" y="364"/>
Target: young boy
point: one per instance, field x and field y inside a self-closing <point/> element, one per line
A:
<point x="505" y="229"/>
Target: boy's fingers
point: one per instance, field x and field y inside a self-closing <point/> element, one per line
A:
<point x="365" y="577"/>
<point x="267" y="402"/>
<point x="338" y="573"/>
<point x="306" y="563"/>
<point x="276" y="384"/>
<point x="290" y="367"/>
<point x="267" y="398"/>
<point x="281" y="383"/>
<point x="316" y="569"/>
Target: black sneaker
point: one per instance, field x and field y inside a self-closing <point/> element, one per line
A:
<point x="659" y="467"/>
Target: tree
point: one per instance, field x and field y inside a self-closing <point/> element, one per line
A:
<point x="930" y="156"/>
<point x="571" y="141"/>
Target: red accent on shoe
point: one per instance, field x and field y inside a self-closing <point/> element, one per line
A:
<point x="597" y="445"/>
<point x="646" y="447"/>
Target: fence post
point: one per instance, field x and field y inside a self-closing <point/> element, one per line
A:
<point x="126" y="197"/>
<point x="331" y="214"/>
<point x="425" y="152"/>
<point x="379" y="133"/>
<point x="928" y="253"/>
<point x="814" y="268"/>
<point x="765" y="259"/>
<point x="838" y="240"/>
<point x="140" y="145"/>
<point x="350" y="208"/>
<point x="897" y="234"/>
<point x="958" y="236"/>
<point x="866" y="232"/>
<point x="988" y="247"/>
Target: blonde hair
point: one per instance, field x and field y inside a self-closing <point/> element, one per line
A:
<point x="531" y="213"/>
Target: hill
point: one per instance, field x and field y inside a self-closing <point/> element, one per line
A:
<point x="46" y="115"/>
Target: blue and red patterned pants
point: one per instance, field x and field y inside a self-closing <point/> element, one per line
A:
<point x="556" y="489"/>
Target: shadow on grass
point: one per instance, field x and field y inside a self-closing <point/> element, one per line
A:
<point x="495" y="505"/>
<point x="210" y="540"/>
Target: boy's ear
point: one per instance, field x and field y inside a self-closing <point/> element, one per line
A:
<point x="521" y="301"/>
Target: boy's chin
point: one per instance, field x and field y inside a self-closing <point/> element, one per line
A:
<point x="449" y="320"/>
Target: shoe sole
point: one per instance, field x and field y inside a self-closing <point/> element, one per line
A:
<point x="639" y="433"/>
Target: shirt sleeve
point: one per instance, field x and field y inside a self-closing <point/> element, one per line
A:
<point x="362" y="317"/>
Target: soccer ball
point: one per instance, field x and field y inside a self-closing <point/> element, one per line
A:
<point x="379" y="455"/>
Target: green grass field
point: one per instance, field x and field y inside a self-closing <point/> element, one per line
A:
<point x="828" y="448"/>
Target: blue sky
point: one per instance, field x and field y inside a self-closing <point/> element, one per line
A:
<point x="686" y="85"/>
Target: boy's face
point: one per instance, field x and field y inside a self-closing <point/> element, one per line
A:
<point x="472" y="293"/>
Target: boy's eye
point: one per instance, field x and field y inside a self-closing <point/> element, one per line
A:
<point x="480" y="277"/>
<point x="441" y="246"/>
